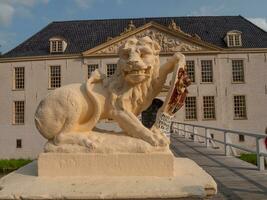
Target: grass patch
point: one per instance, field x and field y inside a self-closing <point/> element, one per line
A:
<point x="250" y="158"/>
<point x="7" y="166"/>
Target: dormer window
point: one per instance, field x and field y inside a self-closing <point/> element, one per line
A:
<point x="233" y="39"/>
<point x="57" y="45"/>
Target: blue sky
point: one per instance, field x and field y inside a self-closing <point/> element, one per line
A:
<point x="20" y="19"/>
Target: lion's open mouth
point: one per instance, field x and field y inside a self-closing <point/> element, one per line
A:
<point x="141" y="72"/>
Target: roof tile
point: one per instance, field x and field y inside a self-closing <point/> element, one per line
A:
<point x="85" y="34"/>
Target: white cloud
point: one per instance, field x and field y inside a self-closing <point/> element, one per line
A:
<point x="84" y="4"/>
<point x="260" y="22"/>
<point x="6" y="13"/>
<point x="9" y="8"/>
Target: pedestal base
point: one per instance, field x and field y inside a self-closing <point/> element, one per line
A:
<point x="189" y="182"/>
<point x="99" y="164"/>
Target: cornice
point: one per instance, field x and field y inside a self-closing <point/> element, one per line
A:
<point x="40" y="58"/>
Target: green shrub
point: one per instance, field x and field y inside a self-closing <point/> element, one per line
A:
<point x="249" y="157"/>
<point x="7" y="166"/>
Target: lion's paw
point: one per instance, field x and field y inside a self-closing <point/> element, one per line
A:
<point x="157" y="139"/>
<point x="178" y="57"/>
<point x="153" y="141"/>
<point x="162" y="140"/>
<point x="85" y="141"/>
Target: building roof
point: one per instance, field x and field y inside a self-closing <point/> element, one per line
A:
<point x="83" y="35"/>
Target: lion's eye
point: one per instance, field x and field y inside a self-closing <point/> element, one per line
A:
<point x="142" y="55"/>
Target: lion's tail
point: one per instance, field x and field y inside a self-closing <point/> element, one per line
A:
<point x="95" y="77"/>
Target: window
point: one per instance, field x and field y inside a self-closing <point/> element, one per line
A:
<point x="233" y="38"/>
<point x="241" y="138"/>
<point x="240" y="107"/>
<point x="190" y="108"/>
<point x="91" y="68"/>
<point x="230" y="40"/>
<point x="19" y="77"/>
<point x="206" y="71"/>
<point x="18" y="112"/>
<point x="237" y="40"/>
<point x="55" y="77"/>
<point x="238" y="71"/>
<point x="208" y="107"/>
<point x="111" y="69"/>
<point x="190" y="68"/>
<point x="57" y="45"/>
<point x="18" y="143"/>
<point x="54" y="46"/>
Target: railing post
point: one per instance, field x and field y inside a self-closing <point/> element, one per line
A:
<point x="226" y="148"/>
<point x="179" y="129"/>
<point x="229" y="150"/>
<point x="176" y="131"/>
<point x="171" y="127"/>
<point x="183" y="130"/>
<point x="194" y="135"/>
<point x="260" y="159"/>
<point x="207" y="141"/>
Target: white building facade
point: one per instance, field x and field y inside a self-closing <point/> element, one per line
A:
<point x="229" y="77"/>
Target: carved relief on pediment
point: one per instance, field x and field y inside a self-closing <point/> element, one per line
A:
<point x="167" y="42"/>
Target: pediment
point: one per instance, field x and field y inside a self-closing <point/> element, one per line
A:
<point x="169" y="40"/>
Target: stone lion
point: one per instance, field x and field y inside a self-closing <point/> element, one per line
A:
<point x="69" y="114"/>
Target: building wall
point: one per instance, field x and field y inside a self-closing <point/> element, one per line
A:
<point x="224" y="90"/>
<point x="75" y="71"/>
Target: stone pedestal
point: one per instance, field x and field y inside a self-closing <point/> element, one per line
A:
<point x="188" y="180"/>
<point x="99" y="164"/>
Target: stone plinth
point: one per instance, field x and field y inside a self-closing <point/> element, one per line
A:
<point x="189" y="182"/>
<point x="97" y="164"/>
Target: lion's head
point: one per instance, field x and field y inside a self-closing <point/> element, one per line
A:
<point x="138" y="57"/>
<point x="138" y="65"/>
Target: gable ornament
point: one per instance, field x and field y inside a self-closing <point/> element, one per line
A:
<point x="130" y="27"/>
<point x="167" y="42"/>
<point x="173" y="26"/>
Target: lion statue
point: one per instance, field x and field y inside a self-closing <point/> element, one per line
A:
<point x="68" y="115"/>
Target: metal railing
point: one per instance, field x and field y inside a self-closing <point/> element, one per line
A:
<point x="191" y="131"/>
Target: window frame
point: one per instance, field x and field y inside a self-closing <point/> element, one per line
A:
<point x="49" y="76"/>
<point x="194" y="67"/>
<point x="212" y="72"/>
<point x="231" y="41"/>
<point x="234" y="34"/>
<point x="196" y="109"/>
<point x="244" y="71"/>
<point x="246" y="109"/>
<point x="203" y="110"/>
<point x="57" y="45"/>
<point x="14" y="79"/>
<point x="109" y="64"/>
<point x="14" y="122"/>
